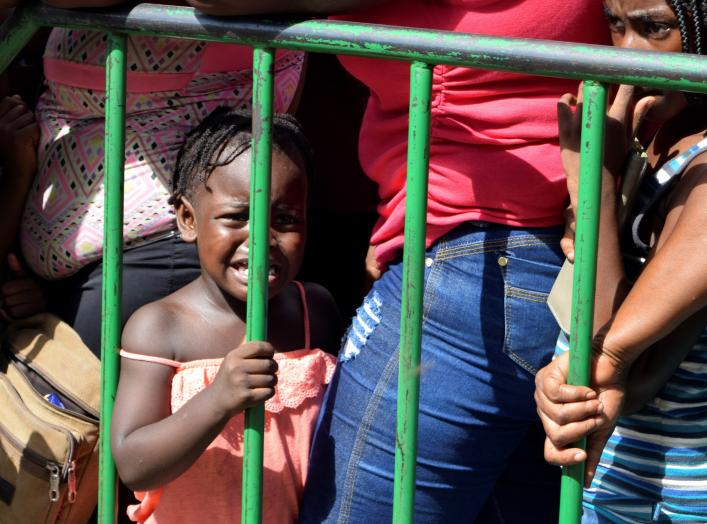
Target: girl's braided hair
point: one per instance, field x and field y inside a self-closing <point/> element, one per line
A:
<point x="691" y="20"/>
<point x="224" y="135"/>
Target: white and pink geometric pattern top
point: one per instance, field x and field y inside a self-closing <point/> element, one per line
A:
<point x="172" y="85"/>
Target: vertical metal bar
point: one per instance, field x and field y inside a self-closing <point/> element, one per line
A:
<point x="259" y="241"/>
<point x="112" y="264"/>
<point x="585" y="271"/>
<point x="412" y="293"/>
<point x="15" y="32"/>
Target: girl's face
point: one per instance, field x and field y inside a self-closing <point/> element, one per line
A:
<point x="221" y="230"/>
<point x="649" y="25"/>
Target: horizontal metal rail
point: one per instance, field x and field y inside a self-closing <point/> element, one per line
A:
<point x="538" y="57"/>
<point x="598" y="65"/>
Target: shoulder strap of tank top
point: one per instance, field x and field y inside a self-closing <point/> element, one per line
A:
<point x="663" y="181"/>
<point x="305" y="312"/>
<point x="149" y="358"/>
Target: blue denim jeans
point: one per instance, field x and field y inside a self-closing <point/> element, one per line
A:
<point x="486" y="330"/>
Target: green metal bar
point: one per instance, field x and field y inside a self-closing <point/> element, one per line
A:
<point x="413" y="287"/>
<point x="585" y="271"/>
<point x="15" y="33"/>
<point x="259" y="242"/>
<point x="680" y="71"/>
<point x="112" y="265"/>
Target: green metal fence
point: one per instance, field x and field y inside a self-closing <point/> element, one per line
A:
<point x="596" y="65"/>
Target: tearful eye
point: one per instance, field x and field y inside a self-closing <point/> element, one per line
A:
<point x="286" y="220"/>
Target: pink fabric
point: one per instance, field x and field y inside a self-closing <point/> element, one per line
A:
<point x="494" y="150"/>
<point x="210" y="490"/>
<point x="172" y="85"/>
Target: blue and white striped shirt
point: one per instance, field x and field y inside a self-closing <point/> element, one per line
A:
<point x="654" y="466"/>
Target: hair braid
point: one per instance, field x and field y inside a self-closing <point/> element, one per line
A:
<point x="681" y="14"/>
<point x="698" y="23"/>
<point x="224" y="135"/>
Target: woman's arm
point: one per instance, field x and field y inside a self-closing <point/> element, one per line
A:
<point x="19" y="139"/>
<point x="151" y="445"/>
<point x="253" y="7"/>
<point x="656" y="365"/>
<point x="673" y="285"/>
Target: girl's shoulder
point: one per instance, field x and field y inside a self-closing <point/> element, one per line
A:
<point x="156" y="329"/>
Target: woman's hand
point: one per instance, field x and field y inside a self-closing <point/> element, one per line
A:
<point x="19" y="138"/>
<point x="22" y="296"/>
<point x="373" y="271"/>
<point x="624" y="117"/>
<point x="247" y="377"/>
<point x="569" y="413"/>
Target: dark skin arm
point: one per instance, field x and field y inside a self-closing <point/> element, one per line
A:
<point x="19" y="138"/>
<point x="677" y="294"/>
<point x="142" y="436"/>
<point x="253" y="7"/>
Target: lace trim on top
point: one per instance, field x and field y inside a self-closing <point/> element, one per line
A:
<point x="302" y="375"/>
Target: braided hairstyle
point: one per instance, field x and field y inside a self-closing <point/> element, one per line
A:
<point x="691" y="20"/>
<point x="224" y="135"/>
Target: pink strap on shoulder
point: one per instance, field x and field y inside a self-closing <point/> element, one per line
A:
<point x="305" y="311"/>
<point x="149" y="358"/>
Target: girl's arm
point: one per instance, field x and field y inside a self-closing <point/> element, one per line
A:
<point x="657" y="364"/>
<point x="151" y="445"/>
<point x="674" y="281"/>
<point x="664" y="311"/>
<point x="623" y="116"/>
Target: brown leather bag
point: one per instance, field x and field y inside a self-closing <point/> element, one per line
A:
<point x="49" y="402"/>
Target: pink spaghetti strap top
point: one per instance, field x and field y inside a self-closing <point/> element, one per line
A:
<point x="210" y="490"/>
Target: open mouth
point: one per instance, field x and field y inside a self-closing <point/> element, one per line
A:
<point x="241" y="269"/>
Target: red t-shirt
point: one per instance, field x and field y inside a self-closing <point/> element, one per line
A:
<point x="494" y="152"/>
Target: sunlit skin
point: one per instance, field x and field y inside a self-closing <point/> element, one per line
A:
<point x="206" y="319"/>
<point x="648" y="25"/>
<point x="648" y="327"/>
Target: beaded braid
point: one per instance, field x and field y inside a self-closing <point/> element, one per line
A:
<point x="681" y="13"/>
<point x="224" y="135"/>
<point x="695" y="11"/>
<point x="692" y="11"/>
<point x="697" y="14"/>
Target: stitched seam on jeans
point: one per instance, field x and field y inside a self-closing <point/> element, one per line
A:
<point x="362" y="434"/>
<point x="508" y="311"/>
<point x="491" y="245"/>
<point x="494" y="245"/>
<point x="533" y="296"/>
<point x="361" y="437"/>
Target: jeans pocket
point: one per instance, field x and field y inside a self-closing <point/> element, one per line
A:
<point x="530" y="328"/>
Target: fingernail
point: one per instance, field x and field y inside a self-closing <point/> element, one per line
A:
<point x="579" y="456"/>
<point x="600" y="408"/>
<point x="590" y="395"/>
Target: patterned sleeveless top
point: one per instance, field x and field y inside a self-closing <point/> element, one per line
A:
<point x="172" y="85"/>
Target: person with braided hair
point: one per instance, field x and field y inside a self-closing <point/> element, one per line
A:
<point x="645" y="415"/>
<point x="187" y="373"/>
